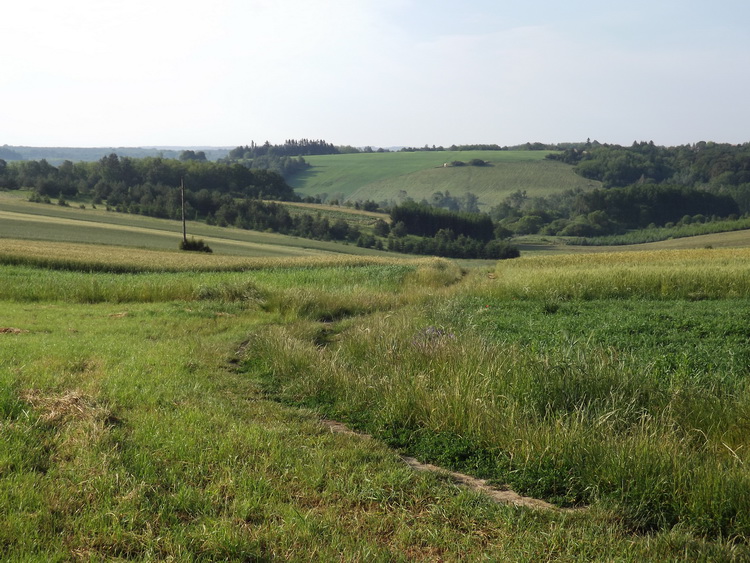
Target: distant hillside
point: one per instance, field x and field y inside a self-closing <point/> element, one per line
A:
<point x="21" y="219"/>
<point x="390" y="176"/>
<point x="56" y="155"/>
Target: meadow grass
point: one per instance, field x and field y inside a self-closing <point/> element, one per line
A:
<point x="355" y="217"/>
<point x="23" y="220"/>
<point x="545" y="377"/>
<point x="286" y="285"/>
<point x="491" y="184"/>
<point x="664" y="233"/>
<point x="142" y="429"/>
<point x="129" y="433"/>
<point x="166" y="235"/>
<point x="557" y="421"/>
<point x="380" y="176"/>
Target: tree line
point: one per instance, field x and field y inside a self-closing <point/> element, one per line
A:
<point x="703" y="164"/>
<point x="287" y="159"/>
<point x="115" y="178"/>
<point x="427" y="221"/>
<point x="491" y="147"/>
<point x="603" y="211"/>
<point x="643" y="186"/>
<point x="233" y="195"/>
<point x="441" y="232"/>
<point x="290" y="147"/>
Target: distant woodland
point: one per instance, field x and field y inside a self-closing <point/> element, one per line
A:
<point x="644" y="187"/>
<point x="229" y="194"/>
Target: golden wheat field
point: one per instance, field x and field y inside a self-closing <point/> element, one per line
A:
<point x="121" y="258"/>
<point x="689" y="274"/>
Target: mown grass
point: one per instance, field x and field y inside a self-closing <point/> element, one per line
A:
<point x="167" y="235"/>
<point x="142" y="429"/>
<point x="491" y="184"/>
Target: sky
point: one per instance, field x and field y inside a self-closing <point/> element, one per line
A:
<point x="381" y="73"/>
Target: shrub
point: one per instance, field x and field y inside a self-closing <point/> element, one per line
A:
<point x="381" y="228"/>
<point x="195" y="245"/>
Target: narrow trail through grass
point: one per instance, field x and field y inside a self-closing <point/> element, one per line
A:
<point x="497" y="494"/>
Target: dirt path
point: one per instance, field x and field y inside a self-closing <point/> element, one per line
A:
<point x="500" y="495"/>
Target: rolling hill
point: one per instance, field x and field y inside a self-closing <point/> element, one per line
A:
<point x="392" y="176"/>
<point x="20" y="219"/>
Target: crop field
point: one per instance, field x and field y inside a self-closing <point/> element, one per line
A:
<point x="23" y="220"/>
<point x="161" y="409"/>
<point x="381" y="176"/>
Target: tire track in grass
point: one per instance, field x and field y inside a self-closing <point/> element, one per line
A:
<point x="501" y="495"/>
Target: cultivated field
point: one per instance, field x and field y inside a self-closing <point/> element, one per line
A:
<point x="20" y="219"/>
<point x="382" y="176"/>
<point x="173" y="410"/>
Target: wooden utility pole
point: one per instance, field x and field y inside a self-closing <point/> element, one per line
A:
<point x="182" y="196"/>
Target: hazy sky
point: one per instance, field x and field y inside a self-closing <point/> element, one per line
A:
<point x="372" y="72"/>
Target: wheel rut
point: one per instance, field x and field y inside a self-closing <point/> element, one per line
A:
<point x="501" y="495"/>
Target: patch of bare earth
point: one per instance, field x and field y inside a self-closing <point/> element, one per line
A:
<point x="12" y="330"/>
<point x="500" y="495"/>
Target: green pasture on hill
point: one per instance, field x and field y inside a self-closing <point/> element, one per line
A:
<point x="382" y="176"/>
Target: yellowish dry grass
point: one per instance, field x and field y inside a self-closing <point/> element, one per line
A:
<point x="692" y="274"/>
<point x="83" y="256"/>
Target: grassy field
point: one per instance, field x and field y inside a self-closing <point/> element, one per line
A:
<point x="23" y="222"/>
<point x="539" y="244"/>
<point x="173" y="410"/>
<point x="615" y="381"/>
<point x="381" y="176"/>
<point x="20" y="219"/>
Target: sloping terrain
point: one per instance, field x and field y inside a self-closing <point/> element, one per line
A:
<point x="392" y="176"/>
<point x="21" y="219"/>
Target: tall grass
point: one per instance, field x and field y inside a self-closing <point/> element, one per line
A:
<point x="128" y="433"/>
<point x="139" y="431"/>
<point x="666" y="274"/>
<point x="121" y="259"/>
<point x="289" y="286"/>
<point x="628" y="421"/>
<point x="576" y="424"/>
